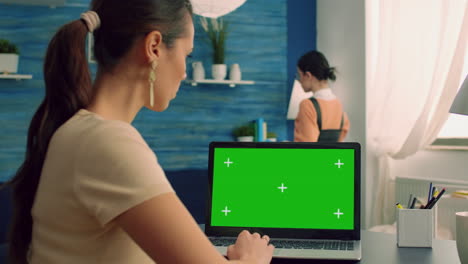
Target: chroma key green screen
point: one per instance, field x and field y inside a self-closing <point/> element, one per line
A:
<point x="283" y="188"/>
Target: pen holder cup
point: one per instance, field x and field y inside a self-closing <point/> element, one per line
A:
<point x="415" y="227"/>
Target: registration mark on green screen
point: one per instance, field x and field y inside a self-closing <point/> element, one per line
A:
<point x="283" y="188"/>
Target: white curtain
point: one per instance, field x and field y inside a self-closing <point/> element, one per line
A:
<point x="416" y="52"/>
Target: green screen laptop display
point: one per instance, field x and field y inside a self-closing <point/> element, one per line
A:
<point x="283" y="188"/>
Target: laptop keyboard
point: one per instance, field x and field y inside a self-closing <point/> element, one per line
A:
<point x="296" y="244"/>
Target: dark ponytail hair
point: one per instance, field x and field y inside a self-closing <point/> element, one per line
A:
<point x="69" y="88"/>
<point x="316" y="63"/>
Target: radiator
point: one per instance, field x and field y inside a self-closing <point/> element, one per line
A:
<point x="447" y="205"/>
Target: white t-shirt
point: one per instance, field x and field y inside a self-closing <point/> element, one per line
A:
<point x="94" y="170"/>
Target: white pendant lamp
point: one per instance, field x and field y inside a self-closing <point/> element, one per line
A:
<point x="215" y="8"/>
<point x="297" y="95"/>
<point x="460" y="104"/>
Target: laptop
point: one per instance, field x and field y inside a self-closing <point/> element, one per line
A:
<point x="305" y="196"/>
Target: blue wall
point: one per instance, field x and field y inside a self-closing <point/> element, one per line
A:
<point x="31" y="28"/>
<point x="258" y="41"/>
<point x="302" y="37"/>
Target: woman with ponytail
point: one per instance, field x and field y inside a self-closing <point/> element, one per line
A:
<point x="321" y="117"/>
<point x="90" y="190"/>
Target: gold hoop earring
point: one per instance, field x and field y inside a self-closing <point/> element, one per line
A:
<point x="152" y="78"/>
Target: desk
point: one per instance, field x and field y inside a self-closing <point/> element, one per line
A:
<point x="381" y="248"/>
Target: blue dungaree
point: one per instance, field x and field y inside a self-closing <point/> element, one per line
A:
<point x="326" y="135"/>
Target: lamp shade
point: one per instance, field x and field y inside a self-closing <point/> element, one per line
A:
<point x="215" y="8"/>
<point x="297" y="95"/>
<point x="460" y="104"/>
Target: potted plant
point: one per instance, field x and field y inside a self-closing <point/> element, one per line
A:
<point x="9" y="55"/>
<point x="217" y="33"/>
<point x="271" y="137"/>
<point x="244" y="133"/>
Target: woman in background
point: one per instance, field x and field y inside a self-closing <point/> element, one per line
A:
<point x="90" y="189"/>
<point x="321" y="117"/>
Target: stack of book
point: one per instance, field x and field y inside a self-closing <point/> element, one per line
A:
<point x="260" y="127"/>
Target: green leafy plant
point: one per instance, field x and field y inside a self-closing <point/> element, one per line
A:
<point x="243" y="131"/>
<point x="8" y="47"/>
<point x="271" y="135"/>
<point x="217" y="33"/>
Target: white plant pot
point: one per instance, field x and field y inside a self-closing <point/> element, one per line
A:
<point x="245" y="139"/>
<point x="8" y="63"/>
<point x="219" y="71"/>
<point x="271" y="140"/>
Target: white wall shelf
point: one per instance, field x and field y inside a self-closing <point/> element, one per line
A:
<point x="211" y="81"/>
<point x="50" y="3"/>
<point x="16" y="76"/>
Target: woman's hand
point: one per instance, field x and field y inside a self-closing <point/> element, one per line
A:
<point x="251" y="248"/>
